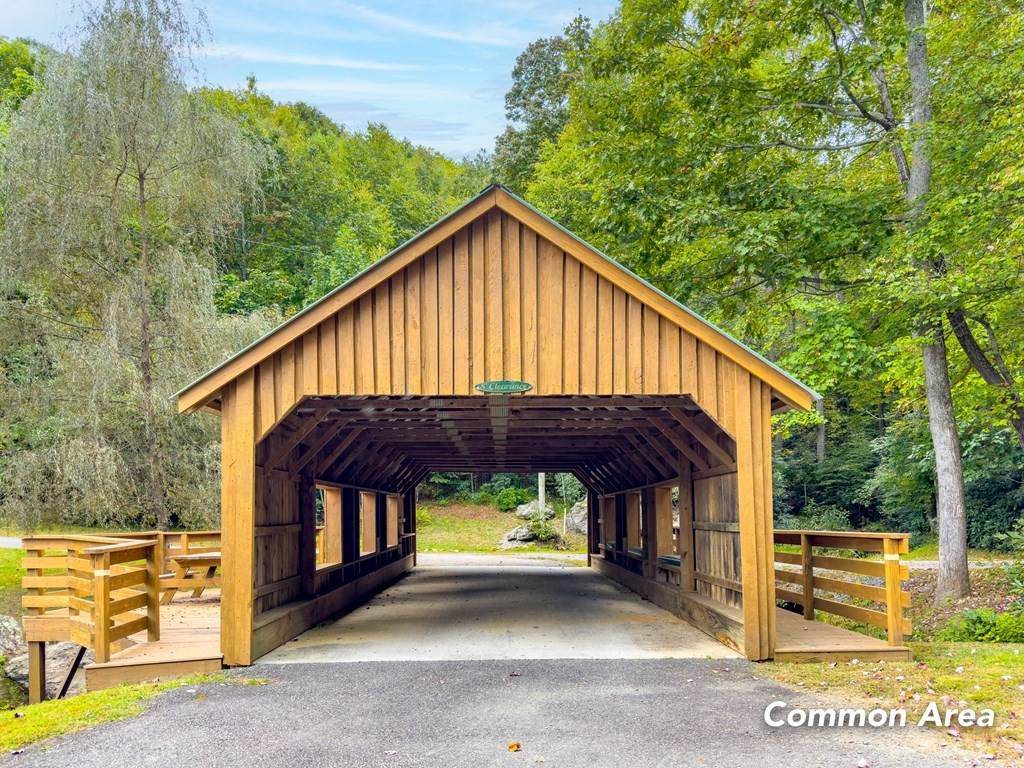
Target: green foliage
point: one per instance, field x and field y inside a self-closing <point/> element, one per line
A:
<point x="987" y="626"/>
<point x="510" y="498"/>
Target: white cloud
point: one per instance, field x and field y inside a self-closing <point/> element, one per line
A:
<point x="267" y="56"/>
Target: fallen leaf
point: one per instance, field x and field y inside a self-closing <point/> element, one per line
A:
<point x="513" y="674"/>
<point x="514" y="746"/>
<point x="390" y="751"/>
<point x="954" y="732"/>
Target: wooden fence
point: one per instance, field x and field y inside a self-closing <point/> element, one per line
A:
<point x="889" y="595"/>
<point x="92" y="590"/>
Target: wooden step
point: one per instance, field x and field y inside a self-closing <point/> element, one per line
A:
<point x="162" y="659"/>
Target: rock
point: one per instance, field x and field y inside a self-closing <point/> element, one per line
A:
<point x="576" y="520"/>
<point x="522" y="533"/>
<point x="12" y="641"/>
<point x="59" y="657"/>
<point x="531" y="508"/>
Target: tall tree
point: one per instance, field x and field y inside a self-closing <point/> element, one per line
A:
<point x="781" y="163"/>
<point x="537" y="105"/>
<point x="117" y="181"/>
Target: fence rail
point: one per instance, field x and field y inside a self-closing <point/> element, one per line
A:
<point x="93" y="590"/>
<point x="807" y="582"/>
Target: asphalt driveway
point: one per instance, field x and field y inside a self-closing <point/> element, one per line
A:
<point x="564" y="712"/>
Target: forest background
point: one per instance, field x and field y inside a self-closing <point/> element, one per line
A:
<point x="836" y="183"/>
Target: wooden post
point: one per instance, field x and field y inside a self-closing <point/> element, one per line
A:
<point x="807" y="564"/>
<point x="752" y="419"/>
<point x="238" y="518"/>
<point x="36" y="672"/>
<point x="153" y="591"/>
<point x="382" y="523"/>
<point x="161" y="564"/>
<point x="101" y="606"/>
<point x="893" y="590"/>
<point x="687" y="553"/>
<point x="306" y="490"/>
<point x="349" y="525"/>
<point x="649" y="510"/>
<point x="410" y="521"/>
<point x="593" y="531"/>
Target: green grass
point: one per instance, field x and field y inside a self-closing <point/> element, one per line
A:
<point x="476" y="528"/>
<point x="954" y="675"/>
<point x="36" y="722"/>
<point x="10" y="581"/>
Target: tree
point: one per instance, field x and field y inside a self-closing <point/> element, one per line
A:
<point x="779" y="164"/>
<point x="118" y="180"/>
<point x="538" y="102"/>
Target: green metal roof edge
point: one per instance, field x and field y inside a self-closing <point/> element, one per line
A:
<point x="815" y="395"/>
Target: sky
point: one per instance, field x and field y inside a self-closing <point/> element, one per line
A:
<point x="435" y="73"/>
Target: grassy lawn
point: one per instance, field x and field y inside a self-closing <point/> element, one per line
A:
<point x="10" y="581"/>
<point x="477" y="528"/>
<point x="32" y="723"/>
<point x="954" y="675"/>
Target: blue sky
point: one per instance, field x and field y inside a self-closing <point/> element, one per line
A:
<point x="435" y="73"/>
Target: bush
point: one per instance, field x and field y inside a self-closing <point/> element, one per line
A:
<point x="542" y="529"/>
<point x="986" y="626"/>
<point x="510" y="498"/>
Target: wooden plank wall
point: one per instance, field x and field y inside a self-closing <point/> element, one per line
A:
<point x="496" y="301"/>
<point x="717" y="559"/>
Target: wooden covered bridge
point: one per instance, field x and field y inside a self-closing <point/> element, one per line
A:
<point x="356" y="399"/>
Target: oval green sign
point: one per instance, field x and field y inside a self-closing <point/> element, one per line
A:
<point x="504" y="387"/>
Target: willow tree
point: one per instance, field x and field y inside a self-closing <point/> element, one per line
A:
<point x="117" y="181"/>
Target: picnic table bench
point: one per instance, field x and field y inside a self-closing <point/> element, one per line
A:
<point x="195" y="572"/>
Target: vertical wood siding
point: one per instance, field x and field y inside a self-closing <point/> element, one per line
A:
<point x="496" y="301"/>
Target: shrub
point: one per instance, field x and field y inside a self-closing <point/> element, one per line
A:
<point x="510" y="498"/>
<point x="986" y="626"/>
<point x="542" y="529"/>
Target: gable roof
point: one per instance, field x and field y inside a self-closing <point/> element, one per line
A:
<point x="201" y="392"/>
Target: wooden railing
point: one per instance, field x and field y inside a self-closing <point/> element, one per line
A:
<point x="889" y="570"/>
<point x="92" y="590"/>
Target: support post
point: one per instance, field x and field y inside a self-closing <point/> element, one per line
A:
<point x="649" y="511"/>
<point x="238" y="519"/>
<point x="350" y="525"/>
<point x="306" y="490"/>
<point x="686" y="550"/>
<point x="101" y="606"/>
<point x="153" y="591"/>
<point x="893" y="591"/>
<point x="36" y="672"/>
<point x="807" y="567"/>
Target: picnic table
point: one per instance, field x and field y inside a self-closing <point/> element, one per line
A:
<point x="194" y="571"/>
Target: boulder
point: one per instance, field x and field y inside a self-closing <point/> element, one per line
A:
<point x="531" y="508"/>
<point x="59" y="657"/>
<point x="12" y="641"/>
<point x="522" y="533"/>
<point x="576" y="520"/>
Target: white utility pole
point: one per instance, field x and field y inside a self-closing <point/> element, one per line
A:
<point x="540" y="492"/>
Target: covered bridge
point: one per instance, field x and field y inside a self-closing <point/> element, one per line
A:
<point x="356" y="399"/>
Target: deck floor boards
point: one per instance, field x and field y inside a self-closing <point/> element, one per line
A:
<point x="800" y="640"/>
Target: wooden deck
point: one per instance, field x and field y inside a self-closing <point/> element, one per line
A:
<point x="189" y="643"/>
<point x="798" y="640"/>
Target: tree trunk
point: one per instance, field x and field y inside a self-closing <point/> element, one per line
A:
<point x="820" y="443"/>
<point x="156" y="482"/>
<point x="951" y="500"/>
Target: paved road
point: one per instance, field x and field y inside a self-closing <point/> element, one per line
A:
<point x="464" y="607"/>
<point x="567" y="713"/>
<point x="10" y="542"/>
